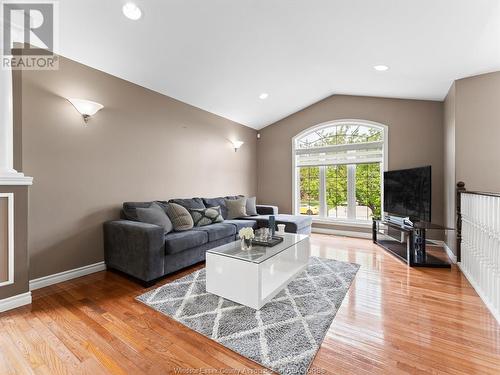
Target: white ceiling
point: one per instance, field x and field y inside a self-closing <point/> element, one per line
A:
<point x="220" y="55"/>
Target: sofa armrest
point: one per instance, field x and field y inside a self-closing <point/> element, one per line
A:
<point x="267" y="210"/>
<point x="138" y="249"/>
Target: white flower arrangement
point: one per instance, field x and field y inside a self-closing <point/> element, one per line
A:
<point x="246" y="233"/>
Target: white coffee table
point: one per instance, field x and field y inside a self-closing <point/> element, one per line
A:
<point x="253" y="277"/>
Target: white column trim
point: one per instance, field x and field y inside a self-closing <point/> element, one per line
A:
<point x="15" y="180"/>
<point x="10" y="234"/>
<point x="6" y="123"/>
<point x="8" y="175"/>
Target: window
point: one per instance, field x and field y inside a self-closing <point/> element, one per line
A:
<point x="338" y="170"/>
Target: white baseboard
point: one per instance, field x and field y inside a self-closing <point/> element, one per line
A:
<point x="443" y="244"/>
<point x="492" y="309"/>
<point x="15" y="301"/>
<point x="348" y="233"/>
<point x="343" y="233"/>
<point x="452" y="256"/>
<point x="42" y="282"/>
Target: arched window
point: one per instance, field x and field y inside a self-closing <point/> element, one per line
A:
<point x="338" y="169"/>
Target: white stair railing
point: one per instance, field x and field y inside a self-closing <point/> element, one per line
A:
<point x="480" y="245"/>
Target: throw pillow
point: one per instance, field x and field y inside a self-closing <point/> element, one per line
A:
<point x="154" y="214"/>
<point x="129" y="209"/>
<point x="181" y="218"/>
<point x="206" y="216"/>
<point x="251" y="206"/>
<point x="236" y="208"/>
<point x="213" y="202"/>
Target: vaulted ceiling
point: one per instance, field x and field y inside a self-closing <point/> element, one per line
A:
<point x="220" y="55"/>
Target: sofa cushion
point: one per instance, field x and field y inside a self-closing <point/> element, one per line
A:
<point x="155" y="214"/>
<point x="242" y="224"/>
<point x="129" y="209"/>
<point x="251" y="206"/>
<point x="176" y="242"/>
<point x="189" y="202"/>
<point x="217" y="231"/>
<point x="206" y="216"/>
<point x="180" y="216"/>
<point x="236" y="208"/>
<point x="293" y="223"/>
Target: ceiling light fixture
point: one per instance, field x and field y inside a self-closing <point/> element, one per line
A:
<point x="132" y="11"/>
<point x="86" y="108"/>
<point x="264" y="95"/>
<point x="381" y="68"/>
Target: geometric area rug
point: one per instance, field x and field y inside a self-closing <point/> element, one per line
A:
<point x="284" y="335"/>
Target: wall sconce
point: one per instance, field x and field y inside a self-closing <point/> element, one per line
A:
<point x="86" y="108"/>
<point x="237" y="145"/>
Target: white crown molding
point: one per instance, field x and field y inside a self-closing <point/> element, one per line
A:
<point x="15" y="301"/>
<point x="42" y="282"/>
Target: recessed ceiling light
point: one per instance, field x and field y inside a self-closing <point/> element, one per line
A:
<point x="381" y="68"/>
<point x="132" y="11"/>
<point x="264" y="95"/>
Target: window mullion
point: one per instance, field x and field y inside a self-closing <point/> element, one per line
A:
<point x="322" y="192"/>
<point x="351" y="191"/>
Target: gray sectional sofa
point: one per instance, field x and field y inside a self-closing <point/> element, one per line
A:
<point x="146" y="253"/>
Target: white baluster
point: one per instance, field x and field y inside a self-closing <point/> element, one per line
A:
<point x="481" y="245"/>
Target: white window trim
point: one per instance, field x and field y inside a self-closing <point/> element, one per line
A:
<point x="385" y="165"/>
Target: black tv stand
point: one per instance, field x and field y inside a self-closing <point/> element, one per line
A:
<point x="408" y="243"/>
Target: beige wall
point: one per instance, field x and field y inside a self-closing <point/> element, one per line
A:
<point x="471" y="133"/>
<point x="415" y="139"/>
<point x="478" y="132"/>
<point x="145" y="146"/>
<point x="141" y="146"/>
<point x="449" y="167"/>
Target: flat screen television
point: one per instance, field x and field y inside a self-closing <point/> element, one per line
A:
<point x="407" y="193"/>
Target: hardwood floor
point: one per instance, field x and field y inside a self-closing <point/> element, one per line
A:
<point x="394" y="320"/>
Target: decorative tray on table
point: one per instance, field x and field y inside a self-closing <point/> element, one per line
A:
<point x="274" y="240"/>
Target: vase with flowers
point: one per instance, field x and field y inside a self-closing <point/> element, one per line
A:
<point x="246" y="236"/>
